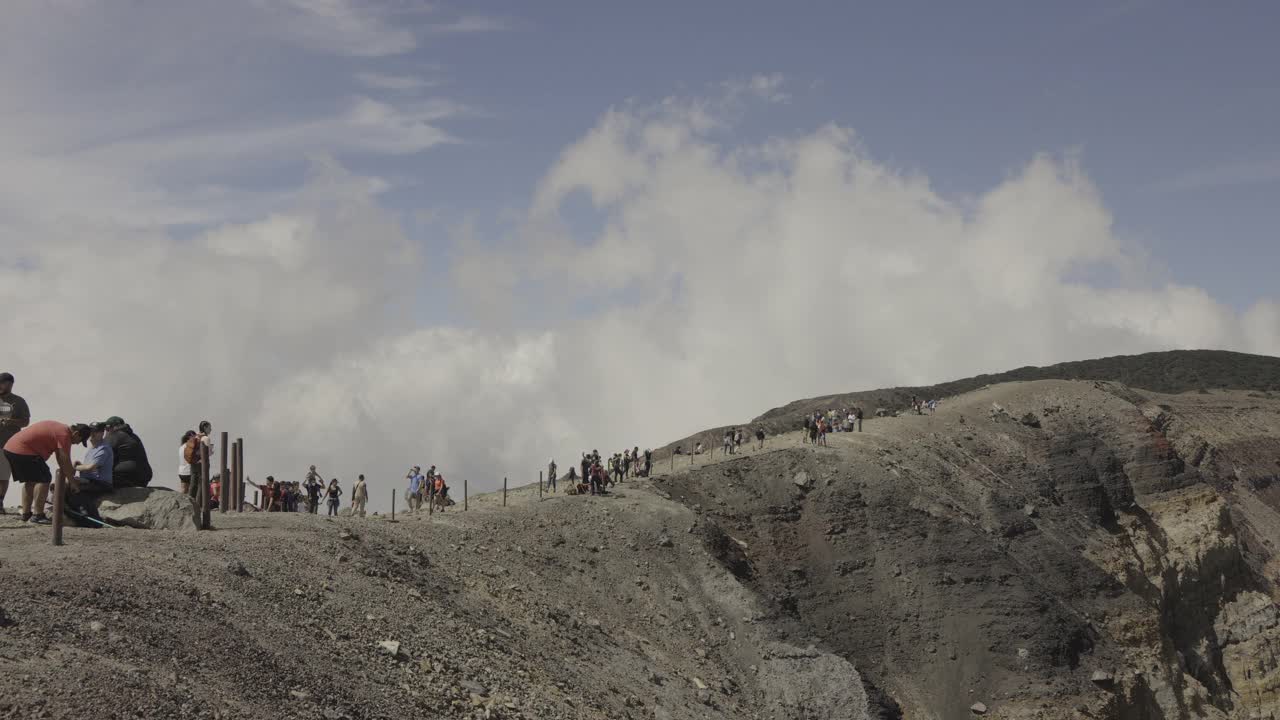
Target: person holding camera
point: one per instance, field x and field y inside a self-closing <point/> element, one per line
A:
<point x="413" y="494"/>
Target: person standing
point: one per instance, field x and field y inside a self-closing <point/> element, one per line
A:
<point x="334" y="494"/>
<point x="192" y="455"/>
<point x="315" y="488"/>
<point x="184" y="465"/>
<point x="551" y="476"/>
<point x="28" y="455"/>
<point x="413" y="493"/>
<point x="14" y="415"/>
<point x="359" y="497"/>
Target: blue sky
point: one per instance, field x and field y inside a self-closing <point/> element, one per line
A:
<point x="1171" y="107"/>
<point x="393" y="226"/>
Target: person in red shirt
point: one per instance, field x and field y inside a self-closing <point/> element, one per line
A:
<point x="28" y="454"/>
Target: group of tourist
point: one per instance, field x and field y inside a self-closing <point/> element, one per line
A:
<point x="116" y="458"/>
<point x="430" y="488"/>
<point x="594" y="475"/>
<point x="305" y="495"/>
<point x="818" y="425"/>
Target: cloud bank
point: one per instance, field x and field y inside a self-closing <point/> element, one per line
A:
<point x="715" y="278"/>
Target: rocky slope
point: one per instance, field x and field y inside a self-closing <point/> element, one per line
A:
<point x="1117" y="561"/>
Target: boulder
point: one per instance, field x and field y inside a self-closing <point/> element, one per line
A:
<point x="148" y="508"/>
<point x="801" y="480"/>
<point x="978" y="708"/>
<point x="1030" y="420"/>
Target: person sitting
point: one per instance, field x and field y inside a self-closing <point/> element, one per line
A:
<point x="93" y="477"/>
<point x="132" y="468"/>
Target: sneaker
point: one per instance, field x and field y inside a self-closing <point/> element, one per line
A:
<point x="41" y="520"/>
<point x="26" y="517"/>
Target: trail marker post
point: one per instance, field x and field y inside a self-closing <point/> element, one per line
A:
<point x="59" y="493"/>
<point x="504" y="492"/>
<point x="226" y="482"/>
<point x="393" y="504"/>
<point x="465" y="499"/>
<point x="539" y="486"/>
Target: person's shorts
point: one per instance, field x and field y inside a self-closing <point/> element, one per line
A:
<point x="28" y="468"/>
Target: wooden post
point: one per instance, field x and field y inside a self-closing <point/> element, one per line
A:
<point x="539" y="486"/>
<point x="504" y="492"/>
<point x="225" y="481"/>
<point x="673" y="461"/>
<point x="205" y="500"/>
<point x="465" y="501"/>
<point x="237" y="479"/>
<point x="255" y="499"/>
<point x="240" y="483"/>
<point x="431" y="505"/>
<point x="59" y="492"/>
<point x="393" y="504"/>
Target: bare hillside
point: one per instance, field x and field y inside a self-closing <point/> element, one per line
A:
<point x="1117" y="561"/>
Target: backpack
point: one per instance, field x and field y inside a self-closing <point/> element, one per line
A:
<point x="191" y="452"/>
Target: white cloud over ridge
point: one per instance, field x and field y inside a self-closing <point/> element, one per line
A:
<point x="727" y="278"/>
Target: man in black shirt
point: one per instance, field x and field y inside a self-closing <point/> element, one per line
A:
<point x="14" y="415"/>
<point x="132" y="469"/>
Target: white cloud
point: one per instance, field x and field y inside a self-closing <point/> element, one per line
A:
<point x="395" y="83"/>
<point x="725" y="278"/>
<point x="342" y="26"/>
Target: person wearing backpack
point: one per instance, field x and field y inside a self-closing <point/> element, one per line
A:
<point x="191" y="463"/>
<point x="192" y="456"/>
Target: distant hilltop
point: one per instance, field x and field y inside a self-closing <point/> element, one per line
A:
<point x="1170" y="372"/>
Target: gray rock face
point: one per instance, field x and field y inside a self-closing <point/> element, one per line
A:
<point x="148" y="509"/>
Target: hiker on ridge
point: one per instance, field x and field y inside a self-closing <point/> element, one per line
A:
<point x="334" y="493"/>
<point x="359" y="497"/>
<point x="413" y="494"/>
<point x="551" y="475"/>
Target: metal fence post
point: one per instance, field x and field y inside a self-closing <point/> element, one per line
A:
<point x="465" y="499"/>
<point x="504" y="492"/>
<point x="59" y="491"/>
<point x="393" y="504"/>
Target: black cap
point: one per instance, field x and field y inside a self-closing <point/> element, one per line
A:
<point x="83" y="431"/>
<point x="6" y="377"/>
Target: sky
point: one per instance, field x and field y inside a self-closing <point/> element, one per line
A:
<point x="371" y="234"/>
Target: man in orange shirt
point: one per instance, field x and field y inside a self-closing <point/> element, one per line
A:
<point x="28" y="454"/>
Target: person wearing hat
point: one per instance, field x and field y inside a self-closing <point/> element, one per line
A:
<point x="28" y="454"/>
<point x="14" y="415"/>
<point x="132" y="468"/>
